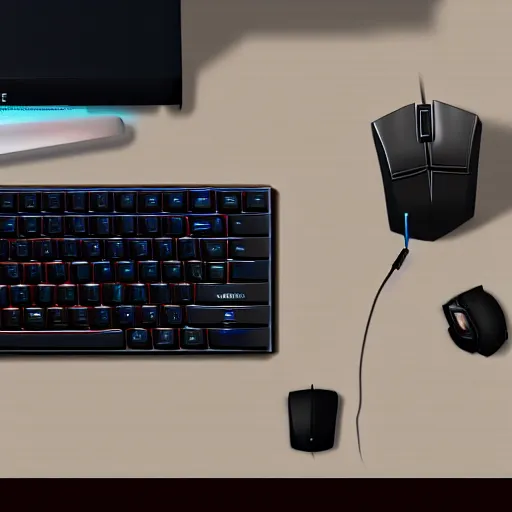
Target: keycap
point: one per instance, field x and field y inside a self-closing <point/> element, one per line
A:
<point x="21" y="250"/>
<point x="174" y="202"/>
<point x="149" y="271"/>
<point x="56" y="273"/>
<point x="101" y="226"/>
<point x="10" y="273"/>
<point x="101" y="201"/>
<point x="229" y="202"/>
<point x="125" y="271"/>
<point x="194" y="271"/>
<point x="77" y="226"/>
<point x="77" y="202"/>
<point x="171" y="316"/>
<point x="256" y="201"/>
<point x="67" y="295"/>
<point x="246" y="271"/>
<point x="149" y="225"/>
<point x="4" y="250"/>
<point x="150" y="202"/>
<point x="239" y="339"/>
<point x="102" y="272"/>
<point x="213" y="249"/>
<point x="240" y="293"/>
<point x="249" y="225"/>
<point x="149" y="316"/>
<point x="125" y="316"/>
<point x="79" y="317"/>
<point x="163" y="249"/>
<point x="53" y="202"/>
<point x="92" y="249"/>
<point x="216" y="272"/>
<point x="113" y="294"/>
<point x="33" y="273"/>
<point x="20" y="295"/>
<point x="165" y="339"/>
<point x="45" y="295"/>
<point x="57" y="340"/>
<point x="45" y="250"/>
<point x="11" y="318"/>
<point x="207" y="226"/>
<point x="125" y="225"/>
<point x="136" y="293"/>
<point x="183" y="294"/>
<point x="8" y="202"/>
<point x="138" y="339"/>
<point x="4" y="296"/>
<point x="8" y="226"/>
<point x="174" y="226"/>
<point x="249" y="248"/>
<point x="172" y="271"/>
<point x="188" y="249"/>
<point x="159" y="293"/>
<point x="89" y="294"/>
<point x="33" y="319"/>
<point x="114" y="249"/>
<point x="69" y="249"/>
<point x="221" y="316"/>
<point x="53" y="226"/>
<point x="202" y="201"/>
<point x="100" y="317"/>
<point x="125" y="202"/>
<point x="29" y="227"/>
<point x="80" y="272"/>
<point x="30" y="202"/>
<point x="140" y="249"/>
<point x="57" y="318"/>
<point x="193" y="339"/>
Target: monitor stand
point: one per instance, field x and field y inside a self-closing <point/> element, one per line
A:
<point x="30" y="136"/>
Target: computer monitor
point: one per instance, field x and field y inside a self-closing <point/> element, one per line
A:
<point x="90" y="52"/>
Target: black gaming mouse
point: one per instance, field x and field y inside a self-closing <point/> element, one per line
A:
<point x="476" y="322"/>
<point x="428" y="156"/>
<point x="313" y="414"/>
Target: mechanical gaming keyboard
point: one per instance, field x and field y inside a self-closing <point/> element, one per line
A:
<point x="141" y="270"/>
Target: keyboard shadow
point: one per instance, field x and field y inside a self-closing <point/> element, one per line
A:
<point x="211" y="28"/>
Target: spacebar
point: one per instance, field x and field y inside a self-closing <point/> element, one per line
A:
<point x="111" y="339"/>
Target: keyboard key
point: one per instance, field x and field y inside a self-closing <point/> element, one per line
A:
<point x="53" y="226"/>
<point x="149" y="226"/>
<point x="8" y="202"/>
<point x="136" y="293"/>
<point x="172" y="271"/>
<point x="193" y="339"/>
<point x="102" y="272"/>
<point x="125" y="271"/>
<point x="242" y="293"/>
<point x="101" y="226"/>
<point x="202" y="201"/>
<point x="150" y="202"/>
<point x="188" y="249"/>
<point x="207" y="226"/>
<point x="56" y="273"/>
<point x="249" y="248"/>
<point x="34" y="319"/>
<point x="140" y="249"/>
<point x="20" y="295"/>
<point x="81" y="272"/>
<point x="149" y="271"/>
<point x="11" y="318"/>
<point x="125" y="202"/>
<point x="30" y="202"/>
<point x="163" y="249"/>
<point x="229" y="202"/>
<point x="77" y="226"/>
<point x="138" y="339"/>
<point x="69" y="249"/>
<point x="171" y="316"/>
<point x="77" y="202"/>
<point x="8" y="226"/>
<point x="21" y="250"/>
<point x="183" y="294"/>
<point x="240" y="339"/>
<point x="33" y="273"/>
<point x="53" y="202"/>
<point x="125" y="317"/>
<point x="45" y="250"/>
<point x="165" y="339"/>
<point x="46" y="341"/>
<point x="159" y="293"/>
<point x="91" y="250"/>
<point x="246" y="271"/>
<point x="89" y="294"/>
<point x="216" y="272"/>
<point x="10" y="273"/>
<point x="57" y="318"/>
<point x="67" y="295"/>
<point x="194" y="271"/>
<point x="222" y="316"/>
<point x="114" y="249"/>
<point x="125" y="225"/>
<point x="174" y="226"/>
<point x="4" y="296"/>
<point x="249" y="225"/>
<point x="149" y="316"/>
<point x="175" y="202"/>
<point x="256" y="201"/>
<point x="214" y="250"/>
<point x="45" y="295"/>
<point x="4" y="250"/>
<point x="100" y="317"/>
<point x="101" y="201"/>
<point x="113" y="294"/>
<point x="29" y="227"/>
<point x="79" y="317"/>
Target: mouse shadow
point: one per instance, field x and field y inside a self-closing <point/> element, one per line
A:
<point x="66" y="150"/>
<point x="505" y="349"/>
<point x="209" y="29"/>
<point x="339" y="423"/>
<point x="493" y="197"/>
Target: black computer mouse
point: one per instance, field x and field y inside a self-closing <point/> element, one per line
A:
<point x="476" y="322"/>
<point x="428" y="156"/>
<point x="313" y="414"/>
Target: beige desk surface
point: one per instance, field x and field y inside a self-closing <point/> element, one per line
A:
<point x="282" y="92"/>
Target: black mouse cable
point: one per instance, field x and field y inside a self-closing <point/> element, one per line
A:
<point x="396" y="266"/>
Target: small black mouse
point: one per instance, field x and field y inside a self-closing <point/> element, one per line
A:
<point x="428" y="156"/>
<point x="313" y="414"/>
<point x="476" y="322"/>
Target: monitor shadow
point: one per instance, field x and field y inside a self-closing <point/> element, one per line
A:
<point x="494" y="191"/>
<point x="210" y="28"/>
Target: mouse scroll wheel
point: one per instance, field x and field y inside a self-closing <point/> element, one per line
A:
<point x="424" y="122"/>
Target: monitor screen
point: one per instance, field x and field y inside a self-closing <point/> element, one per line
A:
<point x="90" y="52"/>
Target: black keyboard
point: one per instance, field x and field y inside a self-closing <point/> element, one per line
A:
<point x="126" y="270"/>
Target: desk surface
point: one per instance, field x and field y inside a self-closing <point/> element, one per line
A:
<point x="283" y="93"/>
